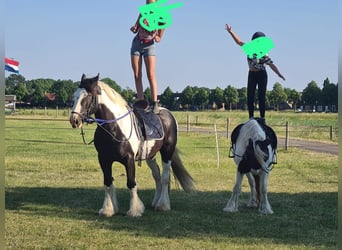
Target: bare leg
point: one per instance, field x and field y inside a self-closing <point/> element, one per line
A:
<point x="150" y="63"/>
<point x="136" y="62"/>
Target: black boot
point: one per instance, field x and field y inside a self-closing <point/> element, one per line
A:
<point x="262" y="120"/>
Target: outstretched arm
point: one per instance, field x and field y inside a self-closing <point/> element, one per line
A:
<point x="134" y="28"/>
<point x="275" y="69"/>
<point x="234" y="36"/>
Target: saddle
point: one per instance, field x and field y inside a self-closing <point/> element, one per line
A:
<point x="149" y="123"/>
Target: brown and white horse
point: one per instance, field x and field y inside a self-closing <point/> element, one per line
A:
<point x="117" y="139"/>
<point x="253" y="148"/>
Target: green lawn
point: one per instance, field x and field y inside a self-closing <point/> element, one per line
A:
<point x="54" y="190"/>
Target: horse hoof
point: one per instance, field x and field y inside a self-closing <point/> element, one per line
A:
<point x="134" y="214"/>
<point x="265" y="212"/>
<point x="105" y="213"/>
<point x="162" y="208"/>
<point x="252" y="205"/>
<point x="230" y="210"/>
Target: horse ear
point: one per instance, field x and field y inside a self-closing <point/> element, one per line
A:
<point x="98" y="90"/>
<point x="97" y="77"/>
<point x="83" y="76"/>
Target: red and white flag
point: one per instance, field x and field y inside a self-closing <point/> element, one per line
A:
<point x="11" y="65"/>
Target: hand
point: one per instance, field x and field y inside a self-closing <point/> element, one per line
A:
<point x="157" y="39"/>
<point x="228" y="28"/>
<point x="134" y="29"/>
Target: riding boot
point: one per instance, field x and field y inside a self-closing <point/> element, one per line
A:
<point x="262" y="120"/>
<point x="155" y="107"/>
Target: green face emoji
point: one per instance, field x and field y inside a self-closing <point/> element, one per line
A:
<point x="259" y="47"/>
<point x="154" y="16"/>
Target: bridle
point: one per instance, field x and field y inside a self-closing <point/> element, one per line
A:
<point x="86" y="118"/>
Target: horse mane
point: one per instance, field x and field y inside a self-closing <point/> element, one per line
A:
<point x="252" y="130"/>
<point x="114" y="96"/>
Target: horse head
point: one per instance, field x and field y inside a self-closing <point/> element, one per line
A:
<point x="85" y="100"/>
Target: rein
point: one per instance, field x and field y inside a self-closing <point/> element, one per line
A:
<point x="86" y="117"/>
<point x="232" y="154"/>
<point x="101" y="122"/>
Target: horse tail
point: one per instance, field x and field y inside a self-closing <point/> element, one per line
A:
<point x="181" y="174"/>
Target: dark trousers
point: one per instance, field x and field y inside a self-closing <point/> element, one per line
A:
<point x="256" y="78"/>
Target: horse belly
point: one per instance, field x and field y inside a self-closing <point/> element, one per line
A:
<point x="147" y="150"/>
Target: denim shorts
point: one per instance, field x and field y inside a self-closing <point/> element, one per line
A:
<point x="142" y="49"/>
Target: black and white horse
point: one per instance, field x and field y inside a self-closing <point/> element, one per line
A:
<point x="117" y="138"/>
<point x="254" y="149"/>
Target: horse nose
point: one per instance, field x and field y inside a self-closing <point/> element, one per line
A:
<point x="75" y="121"/>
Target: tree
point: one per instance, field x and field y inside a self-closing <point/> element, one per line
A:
<point x="20" y="91"/>
<point x="242" y="95"/>
<point x="217" y="96"/>
<point x="63" y="89"/>
<point x="167" y="99"/>
<point x="37" y="89"/>
<point x="12" y="81"/>
<point x="311" y="94"/>
<point x="148" y="94"/>
<point x="231" y="96"/>
<point x="277" y="95"/>
<point x="329" y="93"/>
<point x="187" y="96"/>
<point x="293" y="96"/>
<point x="128" y="94"/>
<point x="201" y="97"/>
<point x="112" y="84"/>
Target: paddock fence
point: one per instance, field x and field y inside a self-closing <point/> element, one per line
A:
<point x="284" y="131"/>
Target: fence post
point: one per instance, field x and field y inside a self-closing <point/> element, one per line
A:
<point x="287" y="135"/>
<point x="228" y="124"/>
<point x="196" y="120"/>
<point x="217" y="147"/>
<point x="331" y="133"/>
<point x="187" y="123"/>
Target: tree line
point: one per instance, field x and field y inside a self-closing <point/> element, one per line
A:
<point x="51" y="93"/>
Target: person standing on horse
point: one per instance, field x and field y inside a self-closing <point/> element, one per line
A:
<point x="143" y="46"/>
<point x="257" y="76"/>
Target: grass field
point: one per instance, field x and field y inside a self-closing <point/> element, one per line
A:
<point x="54" y="190"/>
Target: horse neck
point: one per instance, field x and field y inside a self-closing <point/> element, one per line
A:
<point x="252" y="130"/>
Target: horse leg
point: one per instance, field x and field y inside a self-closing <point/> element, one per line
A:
<point x="136" y="208"/>
<point x="253" y="201"/>
<point x="163" y="203"/>
<point x="265" y="207"/>
<point x="152" y="163"/>
<point x="233" y="202"/>
<point x="110" y="203"/>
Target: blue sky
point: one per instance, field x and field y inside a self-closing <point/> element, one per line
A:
<point x="65" y="38"/>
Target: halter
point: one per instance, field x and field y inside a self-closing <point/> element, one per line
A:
<point x="101" y="122"/>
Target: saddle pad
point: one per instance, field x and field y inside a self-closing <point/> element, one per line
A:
<point x="150" y="125"/>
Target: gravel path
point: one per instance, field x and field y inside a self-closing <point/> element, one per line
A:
<point x="322" y="147"/>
